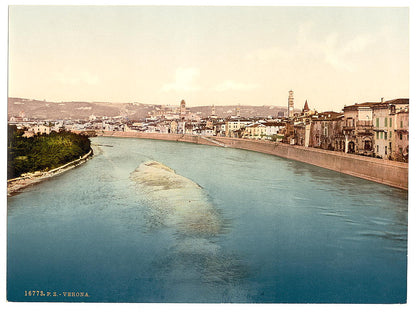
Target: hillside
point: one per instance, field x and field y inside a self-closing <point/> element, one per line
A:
<point x="82" y="110"/>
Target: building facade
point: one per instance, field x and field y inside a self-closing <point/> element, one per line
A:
<point x="401" y="137"/>
<point x="358" y="129"/>
<point x="383" y="121"/>
<point x="326" y="131"/>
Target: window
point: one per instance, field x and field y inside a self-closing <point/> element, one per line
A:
<point x="401" y="123"/>
<point x="377" y="136"/>
<point x="377" y="148"/>
<point x="377" y="122"/>
<point x="385" y="122"/>
<point x="401" y="136"/>
<point x="385" y="135"/>
<point x="390" y="134"/>
<point x="385" y="150"/>
<point x="390" y="122"/>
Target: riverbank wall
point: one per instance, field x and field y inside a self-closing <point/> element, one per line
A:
<point x="387" y="172"/>
<point x="17" y="184"/>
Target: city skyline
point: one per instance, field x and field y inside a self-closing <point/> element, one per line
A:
<point x="329" y="56"/>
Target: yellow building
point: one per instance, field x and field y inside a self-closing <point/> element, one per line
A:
<point x="255" y="131"/>
<point x="234" y="125"/>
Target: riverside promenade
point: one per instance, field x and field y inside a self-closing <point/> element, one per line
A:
<point x="387" y="172"/>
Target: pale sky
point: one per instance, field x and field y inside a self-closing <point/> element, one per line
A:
<point x="209" y="55"/>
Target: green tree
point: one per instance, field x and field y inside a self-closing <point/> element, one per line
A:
<point x="42" y="152"/>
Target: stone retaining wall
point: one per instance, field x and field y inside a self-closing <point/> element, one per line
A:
<point x="382" y="171"/>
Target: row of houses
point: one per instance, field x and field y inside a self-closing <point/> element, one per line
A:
<point x="38" y="126"/>
<point x="377" y="129"/>
<point x="252" y="128"/>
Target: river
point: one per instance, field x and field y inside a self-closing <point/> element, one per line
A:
<point x="158" y="221"/>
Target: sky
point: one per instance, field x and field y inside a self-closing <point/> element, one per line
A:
<point x="209" y="55"/>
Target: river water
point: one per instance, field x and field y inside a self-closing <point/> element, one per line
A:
<point x="157" y="221"/>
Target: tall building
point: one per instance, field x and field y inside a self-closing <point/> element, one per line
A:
<point x="290" y="104"/>
<point x="213" y="113"/>
<point x="182" y="109"/>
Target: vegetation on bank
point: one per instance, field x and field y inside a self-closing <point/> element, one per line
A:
<point x="42" y="152"/>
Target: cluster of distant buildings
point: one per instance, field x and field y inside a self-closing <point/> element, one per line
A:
<point x="376" y="129"/>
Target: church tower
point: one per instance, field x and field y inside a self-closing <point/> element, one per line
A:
<point x="182" y="109"/>
<point x="213" y="113"/>
<point x="305" y="108"/>
<point x="290" y="104"/>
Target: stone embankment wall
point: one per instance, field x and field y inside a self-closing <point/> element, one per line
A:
<point x="382" y="171"/>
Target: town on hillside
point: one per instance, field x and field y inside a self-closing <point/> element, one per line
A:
<point x="374" y="129"/>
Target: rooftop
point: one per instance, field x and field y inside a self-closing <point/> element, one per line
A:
<point x="371" y="104"/>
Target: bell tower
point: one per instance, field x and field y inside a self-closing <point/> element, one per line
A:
<point x="305" y="108"/>
<point x="182" y="109"/>
<point x="212" y="110"/>
<point x="290" y="104"/>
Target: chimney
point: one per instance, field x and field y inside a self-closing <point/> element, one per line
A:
<point x="382" y="100"/>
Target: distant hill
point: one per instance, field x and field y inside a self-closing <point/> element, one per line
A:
<point x="82" y="110"/>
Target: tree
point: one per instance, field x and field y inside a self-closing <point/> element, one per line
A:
<point x="43" y="152"/>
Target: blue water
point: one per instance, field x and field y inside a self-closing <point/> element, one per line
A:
<point x="287" y="232"/>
